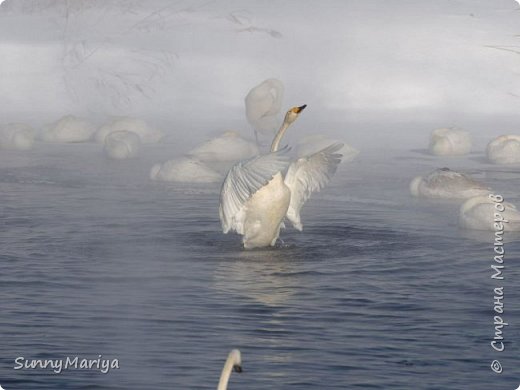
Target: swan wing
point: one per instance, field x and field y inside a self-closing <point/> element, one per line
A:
<point x="242" y="181"/>
<point x="309" y="174"/>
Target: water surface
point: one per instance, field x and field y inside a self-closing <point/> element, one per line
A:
<point x="380" y="290"/>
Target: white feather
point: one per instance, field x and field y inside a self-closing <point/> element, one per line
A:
<point x="309" y="174"/>
<point x="242" y="181"/>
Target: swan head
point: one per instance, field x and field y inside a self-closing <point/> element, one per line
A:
<point x="233" y="363"/>
<point x="293" y="114"/>
<point x="236" y="358"/>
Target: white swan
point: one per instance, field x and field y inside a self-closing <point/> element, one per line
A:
<point x="121" y="145"/>
<point x="233" y="363"/>
<point x="504" y="150"/>
<point x="228" y="147"/>
<point x="147" y="133"/>
<point x="17" y="136"/>
<point x="263" y="105"/>
<point x="313" y="143"/>
<point x="484" y="212"/>
<point x="185" y="169"/>
<point x="450" y="142"/>
<point x="255" y="197"/>
<point x="68" y="129"/>
<point x="447" y="184"/>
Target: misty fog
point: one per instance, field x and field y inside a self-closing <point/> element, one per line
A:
<point x="105" y="103"/>
<point x="373" y="72"/>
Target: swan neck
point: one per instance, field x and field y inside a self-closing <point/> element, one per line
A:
<point x="226" y="373"/>
<point x="278" y="137"/>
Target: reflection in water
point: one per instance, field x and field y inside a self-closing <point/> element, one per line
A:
<point x="270" y="284"/>
<point x="267" y="276"/>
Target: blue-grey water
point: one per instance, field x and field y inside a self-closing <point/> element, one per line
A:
<point x="380" y="291"/>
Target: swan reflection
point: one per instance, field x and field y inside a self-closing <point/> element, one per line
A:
<point x="270" y="277"/>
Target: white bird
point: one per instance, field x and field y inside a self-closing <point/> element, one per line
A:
<point x="147" y="133"/>
<point x="504" y="150"/>
<point x="263" y="105"/>
<point x="447" y="184"/>
<point x="482" y="213"/>
<point x="255" y="197"/>
<point x="68" y="129"/>
<point x="16" y="136"/>
<point x="186" y="170"/>
<point x="120" y="145"/>
<point x="233" y="363"/>
<point x="450" y="142"/>
<point x="313" y="143"/>
<point x="229" y="147"/>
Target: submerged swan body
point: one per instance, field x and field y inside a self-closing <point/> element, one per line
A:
<point x="120" y="145"/>
<point x="146" y="133"/>
<point x="504" y="150"/>
<point x="447" y="184"/>
<point x="450" y="142"/>
<point x="233" y="363"/>
<point x="256" y="196"/>
<point x="482" y="213"/>
<point x="68" y="129"/>
<point x="16" y="136"/>
<point x="186" y="170"/>
<point x="263" y="105"/>
<point x="228" y="147"/>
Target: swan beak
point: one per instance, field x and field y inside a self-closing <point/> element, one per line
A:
<point x="300" y="109"/>
<point x="237" y="368"/>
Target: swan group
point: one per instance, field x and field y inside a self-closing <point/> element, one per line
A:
<point x="206" y="162"/>
<point x="258" y="193"/>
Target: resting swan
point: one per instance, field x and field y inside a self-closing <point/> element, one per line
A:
<point x="17" y="136"/>
<point x="484" y="212"/>
<point x="255" y="196"/>
<point x="233" y="363"/>
<point x="313" y="143"/>
<point x="228" y="147"/>
<point x="120" y="145"/>
<point x="68" y="129"/>
<point x="450" y="142"/>
<point x="147" y="133"/>
<point x="447" y="184"/>
<point x="185" y="170"/>
<point x="504" y="150"/>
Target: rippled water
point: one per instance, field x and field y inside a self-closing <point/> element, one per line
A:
<point x="380" y="291"/>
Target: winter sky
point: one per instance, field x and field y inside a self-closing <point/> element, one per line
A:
<point x="348" y="60"/>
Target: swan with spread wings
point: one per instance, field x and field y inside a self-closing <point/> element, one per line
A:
<point x="258" y="193"/>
